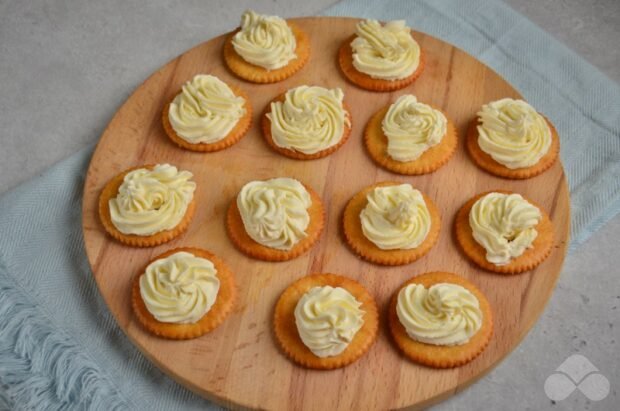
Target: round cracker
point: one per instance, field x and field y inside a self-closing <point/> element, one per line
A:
<point x="222" y="307"/>
<point x="487" y="163"/>
<point x="442" y="356"/>
<point x="257" y="74"/>
<point x="532" y="257"/>
<point x="247" y="245"/>
<point x="111" y="190"/>
<point x="367" y="250"/>
<point x="297" y="155"/>
<point x="429" y="161"/>
<point x="285" y="328"/>
<point x="238" y="131"/>
<point x="363" y="80"/>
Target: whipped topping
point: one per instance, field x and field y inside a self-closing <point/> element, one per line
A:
<point x="513" y="133"/>
<point x="505" y="225"/>
<point x="309" y="120"/>
<point x="151" y="200"/>
<point x="327" y="319"/>
<point x="396" y="217"/>
<point x="265" y="41"/>
<point x="412" y="128"/>
<point x="180" y="288"/>
<point x="275" y="212"/>
<point x="206" y="110"/>
<point x="385" y="52"/>
<point x="444" y="314"/>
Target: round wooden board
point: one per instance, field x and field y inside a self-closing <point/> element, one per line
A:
<point x="239" y="364"/>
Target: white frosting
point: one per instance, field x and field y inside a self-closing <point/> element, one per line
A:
<point x="206" y="110"/>
<point x="309" y="120"/>
<point x="327" y="319"/>
<point x="150" y="201"/>
<point x="505" y="225"/>
<point x="444" y="314"/>
<point x="385" y="52"/>
<point x="396" y="217"/>
<point x="412" y="128"/>
<point x="180" y="288"/>
<point x="275" y="212"/>
<point x="513" y="133"/>
<point x="265" y="41"/>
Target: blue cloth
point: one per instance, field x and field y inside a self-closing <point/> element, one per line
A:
<point x="59" y="346"/>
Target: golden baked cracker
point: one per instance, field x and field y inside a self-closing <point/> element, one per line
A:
<point x="111" y="190"/>
<point x="297" y="155"/>
<point x="240" y="129"/>
<point x="429" y="161"/>
<point x="531" y="258"/>
<point x="487" y="163"/>
<point x="363" y="80"/>
<point x="222" y="307"/>
<point x="442" y="356"/>
<point x="245" y="243"/>
<point x="366" y="249"/>
<point x="257" y="74"/>
<point x="285" y="328"/>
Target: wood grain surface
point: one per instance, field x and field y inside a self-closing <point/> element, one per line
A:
<point x="239" y="364"/>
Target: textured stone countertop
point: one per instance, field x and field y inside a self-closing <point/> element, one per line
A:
<point x="87" y="57"/>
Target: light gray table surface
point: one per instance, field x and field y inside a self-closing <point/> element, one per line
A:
<point x="66" y="66"/>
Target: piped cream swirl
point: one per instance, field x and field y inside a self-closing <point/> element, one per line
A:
<point x="206" y="110"/>
<point x="396" y="217"/>
<point x="275" y="212"/>
<point x="412" y="128"/>
<point x="513" y="133"/>
<point x="265" y="41"/>
<point x="327" y="320"/>
<point x="505" y="225"/>
<point x="444" y="314"/>
<point x="309" y="120"/>
<point x="180" y="288"/>
<point x="150" y="201"/>
<point x="385" y="52"/>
